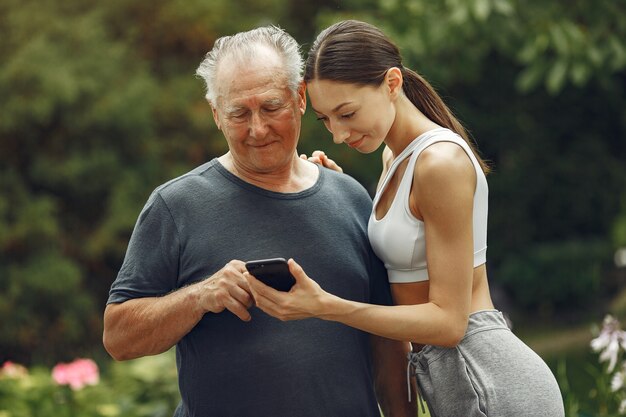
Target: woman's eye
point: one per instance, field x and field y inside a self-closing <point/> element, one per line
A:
<point x="348" y="116"/>
<point x="322" y="118"/>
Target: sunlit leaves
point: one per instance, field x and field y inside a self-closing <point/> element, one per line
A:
<point x="555" y="43"/>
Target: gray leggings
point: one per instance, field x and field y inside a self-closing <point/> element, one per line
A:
<point x="489" y="373"/>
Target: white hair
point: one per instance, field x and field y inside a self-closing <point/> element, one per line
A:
<point x="245" y="45"/>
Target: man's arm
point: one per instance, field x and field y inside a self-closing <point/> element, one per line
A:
<point x="390" y="364"/>
<point x="152" y="325"/>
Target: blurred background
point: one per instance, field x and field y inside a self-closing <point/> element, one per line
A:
<point x="99" y="105"/>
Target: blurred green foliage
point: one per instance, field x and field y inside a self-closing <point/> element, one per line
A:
<point x="145" y="387"/>
<point x="556" y="276"/>
<point x="100" y="105"/>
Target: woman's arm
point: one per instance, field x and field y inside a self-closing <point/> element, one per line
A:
<point x="442" y="195"/>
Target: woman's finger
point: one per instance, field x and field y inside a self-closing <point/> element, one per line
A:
<point x="260" y="290"/>
<point x="297" y="271"/>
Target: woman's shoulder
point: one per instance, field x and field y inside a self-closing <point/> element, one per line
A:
<point x="441" y="163"/>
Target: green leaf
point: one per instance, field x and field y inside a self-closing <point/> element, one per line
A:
<point x="595" y="55"/>
<point x="618" y="54"/>
<point x="556" y="77"/>
<point x="580" y="73"/>
<point x="459" y="15"/>
<point x="559" y="39"/>
<point x="530" y="77"/>
<point x="482" y="9"/>
<point x="532" y="48"/>
<point x="503" y="7"/>
<point x="528" y="53"/>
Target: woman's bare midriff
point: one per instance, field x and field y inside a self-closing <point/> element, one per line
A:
<point x="417" y="293"/>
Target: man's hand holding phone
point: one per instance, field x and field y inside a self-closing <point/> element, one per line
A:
<point x="305" y="298"/>
<point x="228" y="290"/>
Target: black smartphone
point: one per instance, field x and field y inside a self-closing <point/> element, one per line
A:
<point x="273" y="272"/>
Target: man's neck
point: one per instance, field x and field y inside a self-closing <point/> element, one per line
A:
<point x="294" y="177"/>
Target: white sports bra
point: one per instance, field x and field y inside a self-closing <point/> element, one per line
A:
<point x="398" y="238"/>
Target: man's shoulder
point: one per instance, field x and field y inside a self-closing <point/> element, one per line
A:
<point x="182" y="183"/>
<point x="343" y="183"/>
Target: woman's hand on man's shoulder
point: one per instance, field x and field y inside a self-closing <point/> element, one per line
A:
<point x="319" y="157"/>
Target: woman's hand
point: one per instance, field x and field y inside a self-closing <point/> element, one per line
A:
<point x="319" y="157"/>
<point x="304" y="300"/>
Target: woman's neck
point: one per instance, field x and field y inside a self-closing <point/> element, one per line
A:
<point x="408" y="124"/>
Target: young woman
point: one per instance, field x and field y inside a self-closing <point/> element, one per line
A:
<point x="429" y="226"/>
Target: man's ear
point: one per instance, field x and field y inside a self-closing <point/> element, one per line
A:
<point x="302" y="97"/>
<point x="394" y="81"/>
<point x="216" y="117"/>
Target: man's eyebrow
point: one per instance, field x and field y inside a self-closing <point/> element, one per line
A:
<point x="336" y="109"/>
<point x="233" y="108"/>
<point x="239" y="107"/>
<point x="273" y="101"/>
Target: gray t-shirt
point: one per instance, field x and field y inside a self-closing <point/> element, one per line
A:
<point x="193" y="225"/>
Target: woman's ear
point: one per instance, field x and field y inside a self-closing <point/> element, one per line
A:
<point x="393" y="81"/>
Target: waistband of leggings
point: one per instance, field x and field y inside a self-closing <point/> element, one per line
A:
<point x="478" y="321"/>
<point x="482" y="320"/>
<point x="485" y="320"/>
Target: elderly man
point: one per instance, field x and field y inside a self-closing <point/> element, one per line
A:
<point x="182" y="280"/>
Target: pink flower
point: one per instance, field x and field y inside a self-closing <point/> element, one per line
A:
<point x="609" y="341"/>
<point x="76" y="374"/>
<point x="13" y="370"/>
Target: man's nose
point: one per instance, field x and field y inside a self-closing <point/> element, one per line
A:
<point x="258" y="126"/>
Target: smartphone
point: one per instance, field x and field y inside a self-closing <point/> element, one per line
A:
<point x="273" y="272"/>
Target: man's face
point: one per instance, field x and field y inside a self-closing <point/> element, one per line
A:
<point x="258" y="114"/>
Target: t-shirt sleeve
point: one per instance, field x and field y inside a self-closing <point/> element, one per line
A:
<point x="380" y="292"/>
<point x="150" y="267"/>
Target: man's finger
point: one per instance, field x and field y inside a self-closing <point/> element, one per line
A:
<point x="238" y="309"/>
<point x="242" y="295"/>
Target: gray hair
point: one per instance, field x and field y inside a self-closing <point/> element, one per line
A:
<point x="244" y="45"/>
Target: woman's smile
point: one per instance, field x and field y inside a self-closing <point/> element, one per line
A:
<point x="356" y="143"/>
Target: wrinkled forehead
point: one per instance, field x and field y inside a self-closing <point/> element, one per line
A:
<point x="261" y="75"/>
<point x="249" y="68"/>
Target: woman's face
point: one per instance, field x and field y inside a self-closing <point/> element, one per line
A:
<point x="360" y="116"/>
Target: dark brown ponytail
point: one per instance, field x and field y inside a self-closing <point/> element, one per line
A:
<point x="356" y="52"/>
